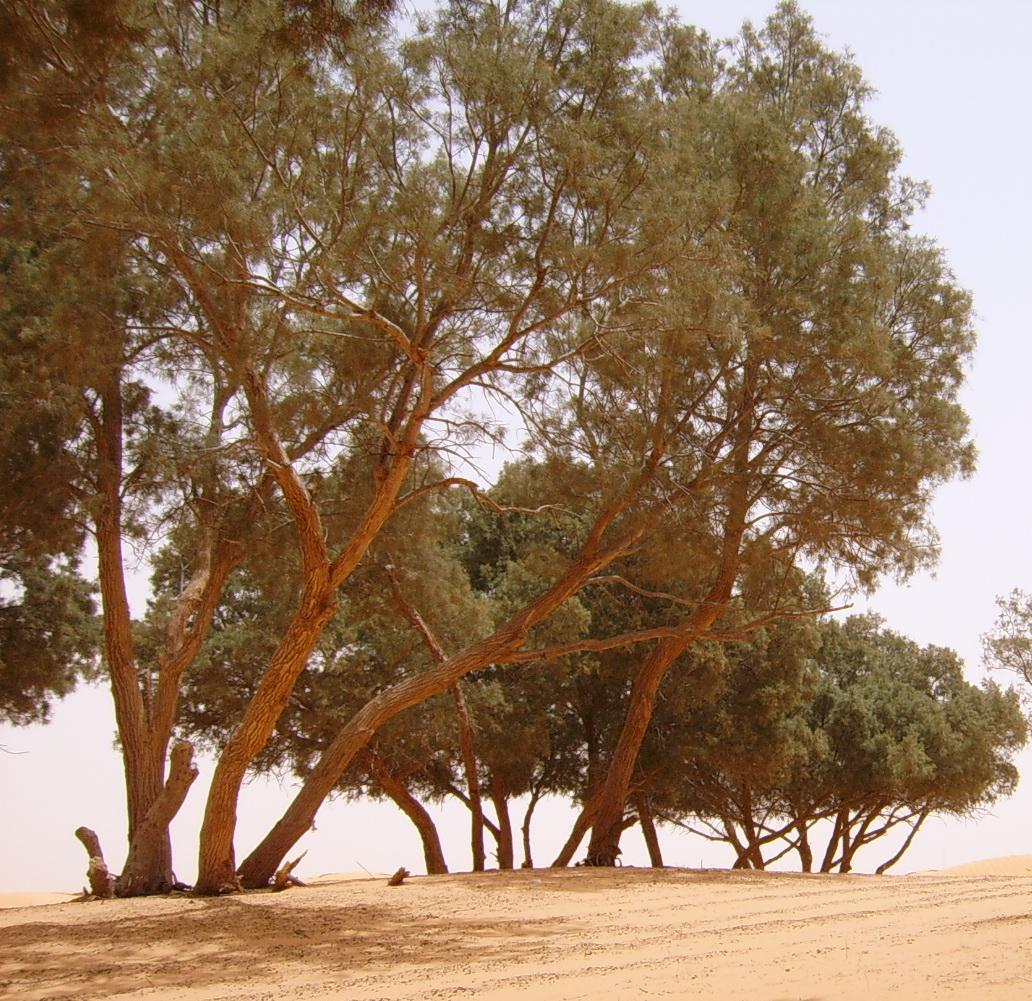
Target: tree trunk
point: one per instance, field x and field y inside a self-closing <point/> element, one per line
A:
<point x="258" y="868"/>
<point x="102" y="883"/>
<point x="143" y="758"/>
<point x="648" y="829"/>
<point x="803" y="847"/>
<point x="469" y="764"/>
<point x="323" y="577"/>
<point x="581" y="826"/>
<point x="528" y="859"/>
<point x="433" y="853"/>
<point x="604" y="846"/>
<point x="752" y="838"/>
<point x="885" y="866"/>
<point x="216" y="870"/>
<point x="833" y="842"/>
<point x="506" y="853"/>
<point x="605" y="832"/>
<point x="144" y="871"/>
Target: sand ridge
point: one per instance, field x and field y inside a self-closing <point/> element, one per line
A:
<point x="546" y="935"/>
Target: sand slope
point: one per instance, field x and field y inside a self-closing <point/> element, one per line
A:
<point x="544" y="936"/>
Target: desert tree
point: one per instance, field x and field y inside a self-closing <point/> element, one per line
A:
<point x="781" y="389"/>
<point x="834" y="347"/>
<point x="1008" y="645"/>
<point x="693" y="281"/>
<point x="857" y="734"/>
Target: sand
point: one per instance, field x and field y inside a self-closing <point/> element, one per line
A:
<point x="542" y="935"/>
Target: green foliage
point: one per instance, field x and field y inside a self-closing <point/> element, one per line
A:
<point x="858" y="725"/>
<point x="48" y="637"/>
<point x="1008" y="645"/>
<point x="688" y="268"/>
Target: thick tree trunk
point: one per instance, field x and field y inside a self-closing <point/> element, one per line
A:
<point x="433" y="853"/>
<point x="605" y="833"/>
<point x="803" y="847"/>
<point x="323" y="577"/>
<point x="648" y="829"/>
<point x="145" y="870"/>
<point x="216" y="870"/>
<point x="143" y="759"/>
<point x="258" y="868"/>
<point x="506" y="851"/>
<point x="604" y="846"/>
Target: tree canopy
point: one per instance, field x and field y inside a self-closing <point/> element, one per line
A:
<point x="862" y="733"/>
<point x="288" y="262"/>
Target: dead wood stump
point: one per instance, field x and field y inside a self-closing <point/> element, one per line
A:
<point x="102" y="883"/>
<point x="399" y="877"/>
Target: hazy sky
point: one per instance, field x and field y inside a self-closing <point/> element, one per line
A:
<point x="955" y="85"/>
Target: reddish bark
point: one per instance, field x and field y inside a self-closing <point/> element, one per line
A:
<point x="258" y="867"/>
<point x="648" y="829"/>
<point x="506" y="850"/>
<point x="433" y="853"/>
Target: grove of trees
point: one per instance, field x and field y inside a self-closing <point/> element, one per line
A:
<point x="277" y="275"/>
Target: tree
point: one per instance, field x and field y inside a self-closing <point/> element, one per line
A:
<point x="690" y="279"/>
<point x="832" y="358"/>
<point x="870" y="733"/>
<point x="98" y="326"/>
<point x="48" y="638"/>
<point x="366" y="647"/>
<point x="1008" y="645"/>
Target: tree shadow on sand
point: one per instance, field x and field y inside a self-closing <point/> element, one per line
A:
<point x="233" y="940"/>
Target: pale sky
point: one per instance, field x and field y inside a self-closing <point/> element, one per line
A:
<point x="955" y="85"/>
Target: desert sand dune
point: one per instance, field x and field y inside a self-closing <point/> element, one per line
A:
<point x="545" y="936"/>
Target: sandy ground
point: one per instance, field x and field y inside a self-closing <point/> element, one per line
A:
<point x="545" y="936"/>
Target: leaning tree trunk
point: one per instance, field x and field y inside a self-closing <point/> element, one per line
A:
<point x="648" y="829"/>
<point x="323" y="578"/>
<point x="216" y="858"/>
<point x="535" y="797"/>
<point x="433" y="853"/>
<point x="914" y="828"/>
<point x="581" y="826"/>
<point x="604" y="847"/>
<point x="837" y="835"/>
<point x="258" y="868"/>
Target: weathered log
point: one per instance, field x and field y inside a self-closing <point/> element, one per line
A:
<point x="285" y="878"/>
<point x="102" y="883"/>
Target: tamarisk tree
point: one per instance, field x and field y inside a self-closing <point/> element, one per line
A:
<point x="832" y="352"/>
<point x="864" y="735"/>
<point x="313" y="249"/>
<point x="305" y="250"/>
